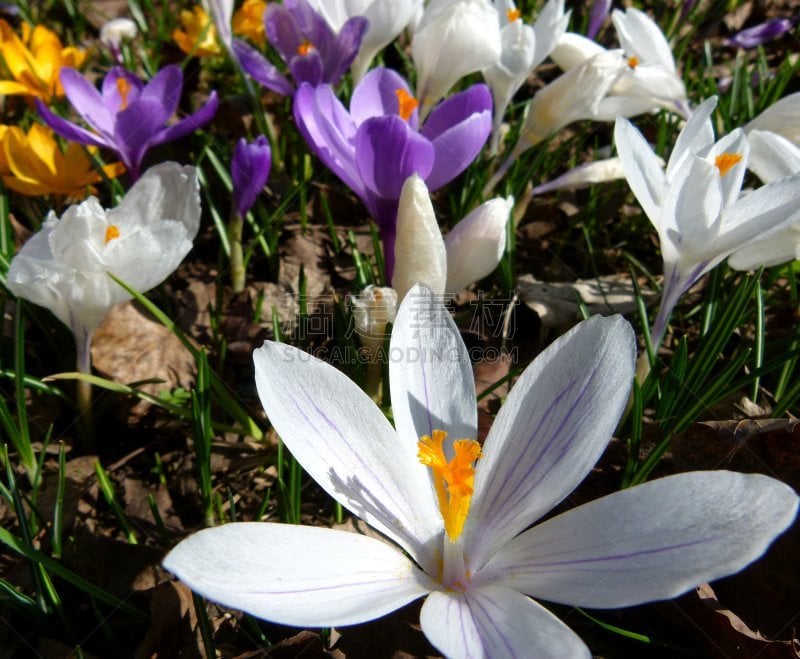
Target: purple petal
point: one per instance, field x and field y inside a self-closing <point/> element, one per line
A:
<point x="388" y="152"/>
<point x="458" y="129"/>
<point x="283" y="29"/>
<point x="340" y="53"/>
<point x="307" y="68"/>
<point x="598" y="15"/>
<point x="755" y="36"/>
<point x="111" y="97"/>
<point x="262" y="71"/>
<point x="165" y="88"/>
<point x="87" y="102"/>
<point x="135" y="131"/>
<point x="68" y="130"/>
<point x="329" y="132"/>
<point x="249" y="171"/>
<point x="191" y="123"/>
<point x="376" y="96"/>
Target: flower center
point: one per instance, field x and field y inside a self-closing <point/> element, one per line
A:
<point x="453" y="479"/>
<point x="513" y="14"/>
<point x="123" y="87"/>
<point x="111" y="232"/>
<point x="725" y="161"/>
<point x="406" y="104"/>
<point x="305" y="48"/>
<point x="633" y="61"/>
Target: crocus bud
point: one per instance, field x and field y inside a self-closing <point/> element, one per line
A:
<point x="475" y="245"/>
<point x="585" y="175"/>
<point x="373" y="309"/>
<point x="249" y="171"/>
<point x="454" y="38"/>
<point x="114" y="32"/>
<point x="419" y="251"/>
<point x="598" y="16"/>
<point x="755" y="36"/>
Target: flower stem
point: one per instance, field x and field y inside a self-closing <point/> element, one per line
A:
<point x="235" y="227"/>
<point x="83" y="392"/>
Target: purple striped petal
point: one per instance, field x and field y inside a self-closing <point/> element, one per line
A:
<point x="496" y="622"/>
<point x="345" y="443"/>
<point x="68" y="130"/>
<point x="650" y="542"/>
<point x="388" y="151"/>
<point x="297" y="575"/>
<point x="261" y="70"/>
<point x="249" y="172"/>
<point x="87" y="102"/>
<point x="328" y="130"/>
<point x="376" y="96"/>
<point x="458" y="128"/>
<point x="552" y="429"/>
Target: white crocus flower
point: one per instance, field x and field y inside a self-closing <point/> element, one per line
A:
<point x="463" y="529"/>
<point x="772" y="157"/>
<point x="453" y="38"/>
<point x="695" y="206"/>
<point x="650" y="81"/>
<point x="470" y="252"/>
<point x="387" y="19"/>
<point x="65" y="266"/>
<point x="524" y="47"/>
<point x="574" y="96"/>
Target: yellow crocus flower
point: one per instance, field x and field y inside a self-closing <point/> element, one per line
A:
<point x="248" y="21"/>
<point x="33" y="164"/>
<point x="198" y="36"/>
<point x="35" y="60"/>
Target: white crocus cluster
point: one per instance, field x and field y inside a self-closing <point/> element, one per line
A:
<point x="649" y="82"/>
<point x="695" y="205"/>
<point x="524" y="47"/>
<point x="65" y="266"/>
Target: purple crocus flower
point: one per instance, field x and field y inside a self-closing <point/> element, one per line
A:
<point x="249" y="171"/>
<point x="379" y="143"/>
<point x="758" y="34"/>
<point x="128" y="116"/>
<point x="314" y="53"/>
<point x="597" y="16"/>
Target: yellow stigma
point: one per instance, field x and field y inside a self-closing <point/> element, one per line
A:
<point x="453" y="480"/>
<point x="725" y="161"/>
<point x="123" y="87"/>
<point x="111" y="232"/>
<point x="305" y="48"/>
<point x="513" y="14"/>
<point x="406" y="104"/>
<point x="633" y="62"/>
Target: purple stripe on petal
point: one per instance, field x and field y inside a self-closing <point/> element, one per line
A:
<point x="388" y="152"/>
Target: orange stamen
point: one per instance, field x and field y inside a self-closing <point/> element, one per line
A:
<point x="725" y="161"/>
<point x="513" y="15"/>
<point x="406" y="104"/>
<point x="123" y="87"/>
<point x="305" y="48"/>
<point x="111" y="232"/>
<point x="453" y="479"/>
<point x="633" y="62"/>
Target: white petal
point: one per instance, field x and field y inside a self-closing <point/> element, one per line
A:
<point x="782" y="117"/>
<point x="780" y="247"/>
<point x="573" y="49"/>
<point x="697" y="134"/>
<point x="734" y="143"/>
<point x="431" y="378"/>
<point x="344" y="442"/>
<point x="553" y="427"/>
<point x="476" y="244"/>
<point x="297" y="575"/>
<point x="654" y="541"/>
<point x="772" y="156"/>
<point x="640" y="36"/>
<point x="642" y="169"/>
<point x="495" y="623"/>
<point x="419" y="252"/>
